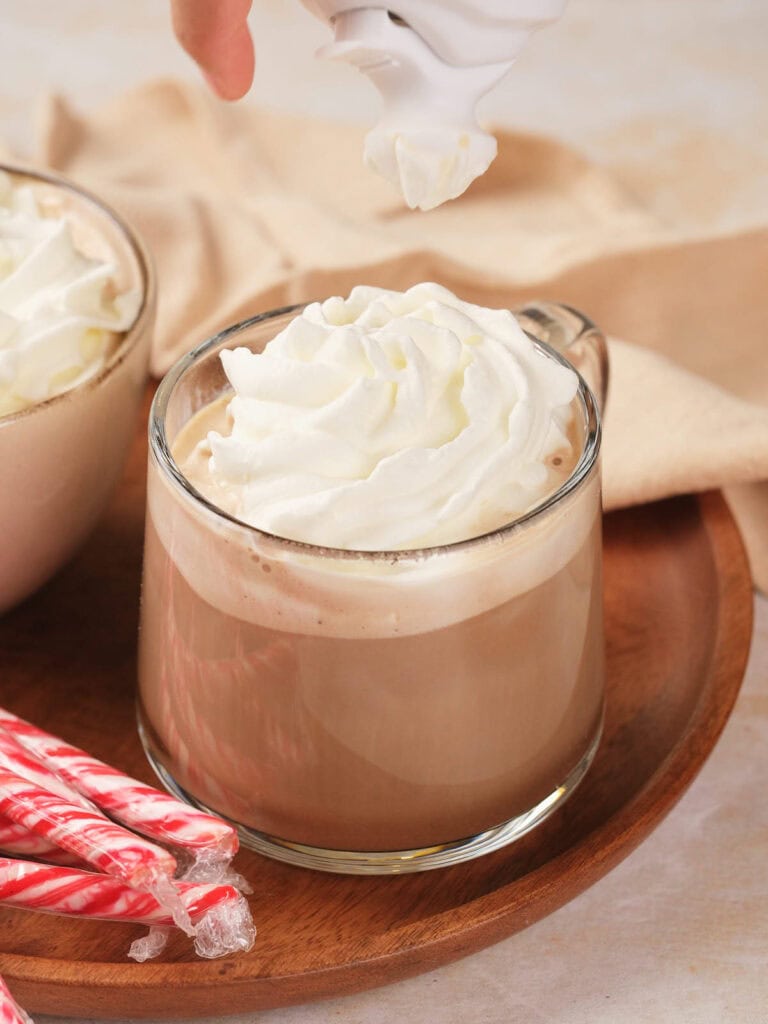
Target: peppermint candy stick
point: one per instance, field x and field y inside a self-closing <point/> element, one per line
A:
<point x="219" y="914"/>
<point x="96" y="840"/>
<point x="134" y="803"/>
<point x="17" y="839"/>
<point x="10" y="1011"/>
<point x="18" y="758"/>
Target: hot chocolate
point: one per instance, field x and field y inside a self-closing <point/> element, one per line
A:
<point x="348" y="698"/>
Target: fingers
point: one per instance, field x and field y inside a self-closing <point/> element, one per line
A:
<point x="215" y="34"/>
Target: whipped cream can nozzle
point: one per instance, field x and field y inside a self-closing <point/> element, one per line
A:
<point x="431" y="63"/>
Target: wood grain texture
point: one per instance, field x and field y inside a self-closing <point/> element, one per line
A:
<point x="678" y="619"/>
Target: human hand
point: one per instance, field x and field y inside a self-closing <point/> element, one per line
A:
<point x="215" y="34"/>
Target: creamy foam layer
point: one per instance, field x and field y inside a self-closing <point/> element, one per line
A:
<point x="61" y="311"/>
<point x="388" y="421"/>
<point x="262" y="581"/>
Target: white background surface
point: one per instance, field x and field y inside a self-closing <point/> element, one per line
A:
<point x="678" y="932"/>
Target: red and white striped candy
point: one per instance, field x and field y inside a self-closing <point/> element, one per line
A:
<point x="87" y="834"/>
<point x="16" y="839"/>
<point x="220" y="916"/>
<point x="134" y="803"/>
<point x="19" y="759"/>
<point x="74" y="893"/>
<point x="10" y="1011"/>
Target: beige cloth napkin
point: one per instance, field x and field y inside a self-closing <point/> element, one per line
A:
<point x="246" y="210"/>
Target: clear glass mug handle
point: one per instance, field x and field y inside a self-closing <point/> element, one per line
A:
<point x="572" y="335"/>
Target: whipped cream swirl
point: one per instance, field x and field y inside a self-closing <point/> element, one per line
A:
<point x="59" y="314"/>
<point x="390" y="421"/>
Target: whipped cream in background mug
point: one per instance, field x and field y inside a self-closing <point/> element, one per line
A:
<point x="60" y="311"/>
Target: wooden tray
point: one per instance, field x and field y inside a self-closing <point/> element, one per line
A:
<point x="679" y="605"/>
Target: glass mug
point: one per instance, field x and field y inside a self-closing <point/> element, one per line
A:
<point x="372" y="712"/>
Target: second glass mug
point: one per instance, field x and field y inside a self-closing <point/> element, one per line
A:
<point x="372" y="712"/>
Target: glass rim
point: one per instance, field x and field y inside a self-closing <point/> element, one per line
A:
<point x="131" y="334"/>
<point x="160" y="450"/>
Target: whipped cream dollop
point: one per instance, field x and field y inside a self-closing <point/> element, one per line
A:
<point x="429" y="167"/>
<point x="59" y="313"/>
<point x="389" y="421"/>
<point x="427" y="142"/>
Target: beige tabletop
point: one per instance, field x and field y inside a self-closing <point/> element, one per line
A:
<point x="679" y="931"/>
